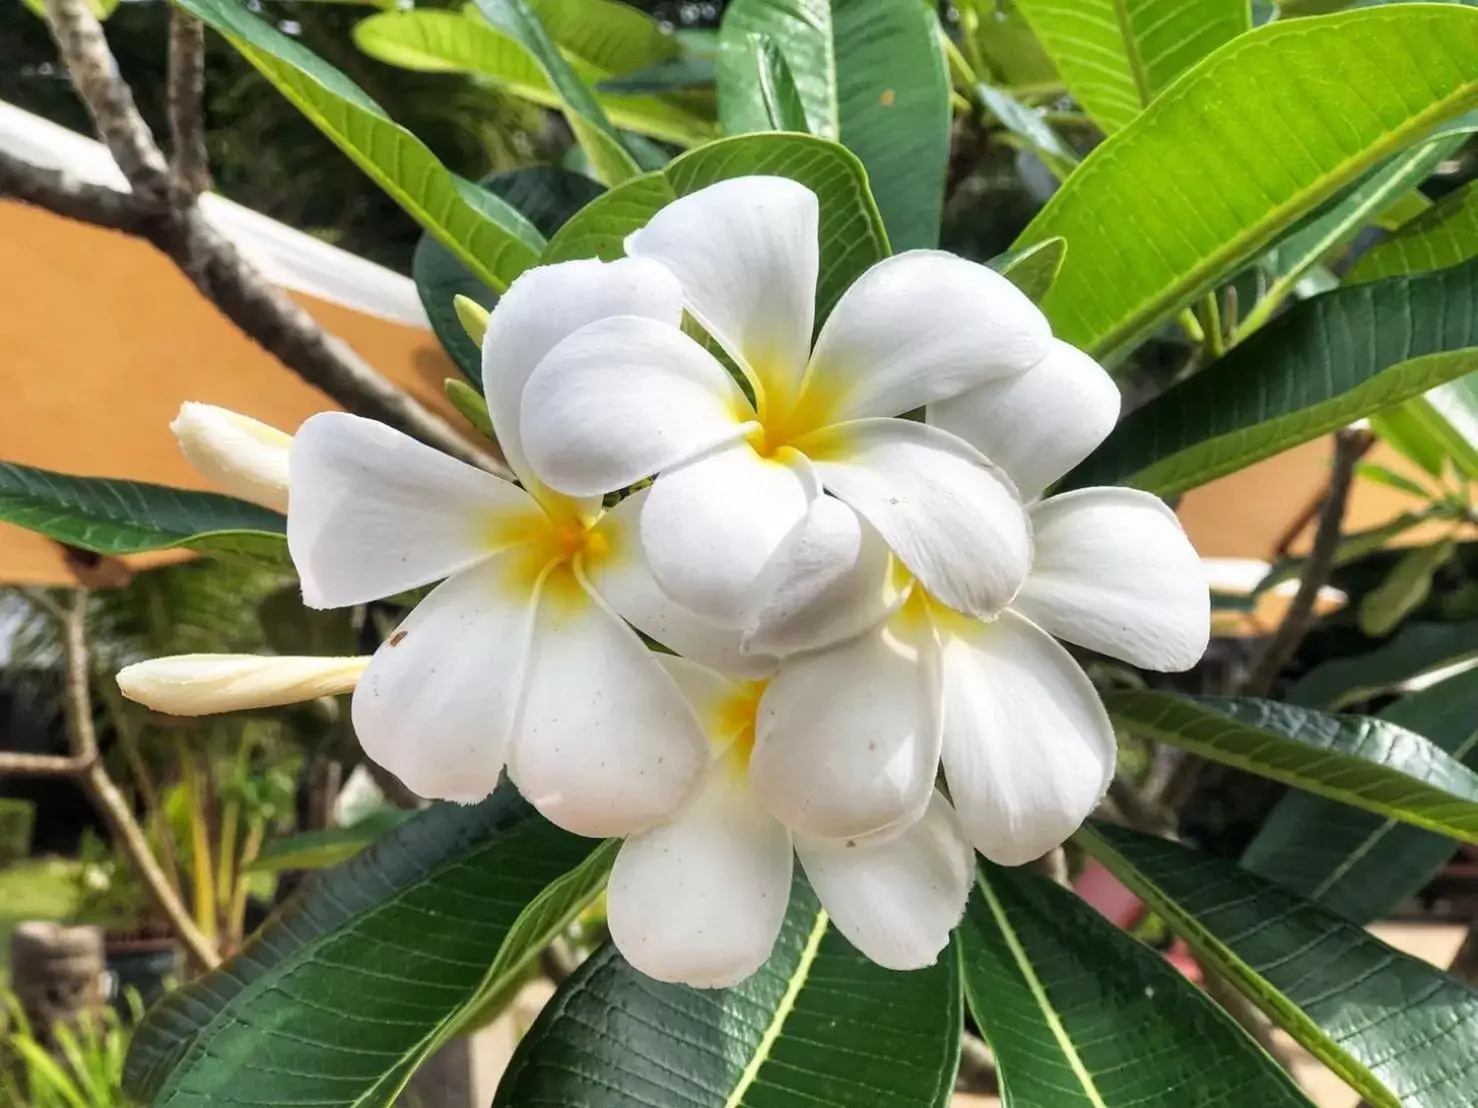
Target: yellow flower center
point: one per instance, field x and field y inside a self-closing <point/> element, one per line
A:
<point x="733" y="726"/>
<point x="546" y="546"/>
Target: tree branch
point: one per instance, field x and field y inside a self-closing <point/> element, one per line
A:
<point x="162" y="210"/>
<point x="191" y="165"/>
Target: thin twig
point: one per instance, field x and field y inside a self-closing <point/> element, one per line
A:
<point x="191" y="165"/>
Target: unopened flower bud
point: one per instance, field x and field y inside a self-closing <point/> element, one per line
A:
<point x="207" y="684"/>
<point x="245" y="458"/>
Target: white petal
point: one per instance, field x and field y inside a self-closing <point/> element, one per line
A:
<point x="620" y="573"/>
<point x="700" y="900"/>
<point x="546" y="305"/>
<point x="709" y="528"/>
<point x="831" y="579"/>
<point x="623" y="398"/>
<point x="604" y="743"/>
<point x="1114" y="572"/>
<point x="896" y="901"/>
<point x="847" y="740"/>
<point x="237" y="454"/>
<point x="951" y="517"/>
<point x="436" y="706"/>
<point x="374" y="512"/>
<point x="919" y="327"/>
<point x="713" y="699"/>
<point x="206" y="684"/>
<point x="1039" y="425"/>
<point x="1028" y="748"/>
<point x="746" y="253"/>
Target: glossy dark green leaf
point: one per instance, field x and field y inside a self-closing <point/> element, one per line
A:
<point x="870" y="75"/>
<point x="1362" y="761"/>
<point x="329" y="847"/>
<point x="1442" y="236"/>
<point x="1030" y="126"/>
<point x="129" y="517"/>
<point x="1034" y="269"/>
<point x="1118" y="55"/>
<point x="852" y="235"/>
<point x="1415" y="649"/>
<point x="1215" y="170"/>
<point x="1405" y="588"/>
<point x="1401" y="1033"/>
<point x="490" y="237"/>
<point x="1356" y="863"/>
<point x="673" y="75"/>
<point x="1080" y="1015"/>
<point x="543" y="195"/>
<point x="819" y="1025"/>
<point x="337" y="1000"/>
<point x="1322" y="365"/>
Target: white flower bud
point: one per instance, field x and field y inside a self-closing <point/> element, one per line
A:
<point x="245" y="458"/>
<point x="205" y="684"/>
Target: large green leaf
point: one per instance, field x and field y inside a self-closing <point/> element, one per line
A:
<point x="609" y="156"/>
<point x="1415" y="649"/>
<point x="1080" y="1015"/>
<point x="543" y="195"/>
<point x="1401" y="1033"/>
<point x="338" y="999"/>
<point x="1322" y="365"/>
<point x="818" y="1025"/>
<point x="852" y="235"/>
<point x="328" y="847"/>
<point x="130" y="517"/>
<point x="493" y="240"/>
<point x="612" y="36"/>
<point x="1218" y="167"/>
<point x="1001" y="44"/>
<point x="1356" y="863"/>
<point x="1117" y="55"/>
<point x="1367" y="762"/>
<point x="1444" y="235"/>
<point x="870" y="74"/>
<point x="436" y="41"/>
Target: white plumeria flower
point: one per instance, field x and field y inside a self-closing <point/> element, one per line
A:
<point x="1027" y="748"/>
<point x="243" y="456"/>
<point x="701" y="898"/>
<point x="208" y="684"/>
<point x="629" y="397"/>
<point x="519" y="656"/>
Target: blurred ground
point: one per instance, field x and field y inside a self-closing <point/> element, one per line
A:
<point x="41" y="888"/>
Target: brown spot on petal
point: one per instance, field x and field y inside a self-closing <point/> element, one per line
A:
<point x="397" y="637"/>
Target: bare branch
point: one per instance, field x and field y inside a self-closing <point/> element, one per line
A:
<point x="67" y="195"/>
<point x="191" y="165"/>
<point x="38" y="765"/>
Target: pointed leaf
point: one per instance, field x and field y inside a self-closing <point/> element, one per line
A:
<point x="341" y="996"/>
<point x="1118" y="55"/>
<point x="1081" y="1015"/>
<point x="870" y="74"/>
<point x="1355" y="863"/>
<point x="1215" y="170"/>
<point x="1405" y="588"/>
<point x="818" y="1025"/>
<point x="1362" y="761"/>
<point x="1034" y="269"/>
<point x="1322" y="365"/>
<point x="1443" y="235"/>
<point x="1415" y="649"/>
<point x="852" y="235"/>
<point x="493" y="240"/>
<point x="772" y="102"/>
<point x="1399" y="1032"/>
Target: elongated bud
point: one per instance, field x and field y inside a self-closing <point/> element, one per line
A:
<point x="473" y="317"/>
<point x="208" y="684"/>
<point x="243" y="457"/>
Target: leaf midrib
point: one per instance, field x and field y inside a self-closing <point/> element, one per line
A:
<point x="1131" y="52"/>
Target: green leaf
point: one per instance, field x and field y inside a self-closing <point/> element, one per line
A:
<point x="609" y="157"/>
<point x="673" y="75"/>
<point x="999" y="41"/>
<point x="361" y="976"/>
<point x="544" y="196"/>
<point x="819" y="1024"/>
<point x="1399" y="1032"/>
<point x="1405" y="430"/>
<point x="1385" y="475"/>
<point x="1367" y="762"/>
<point x="1353" y="862"/>
<point x="1450" y="414"/>
<point x="1080" y="1015"/>
<point x="435" y="41"/>
<point x="1325" y="363"/>
<point x="1027" y="124"/>
<point x="1404" y="590"/>
<point x="870" y="74"/>
<point x="1444" y="235"/>
<point x="329" y="847"/>
<point x="1116" y="56"/>
<point x="488" y="236"/>
<point x="129" y="517"/>
<point x="1416" y="649"/>
<point x="1034" y="269"/>
<point x="852" y="235"/>
<point x="1211" y="173"/>
<point x="772" y="90"/>
<point x="611" y="36"/>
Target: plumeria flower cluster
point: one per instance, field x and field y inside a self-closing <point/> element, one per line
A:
<point x="856" y="611"/>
